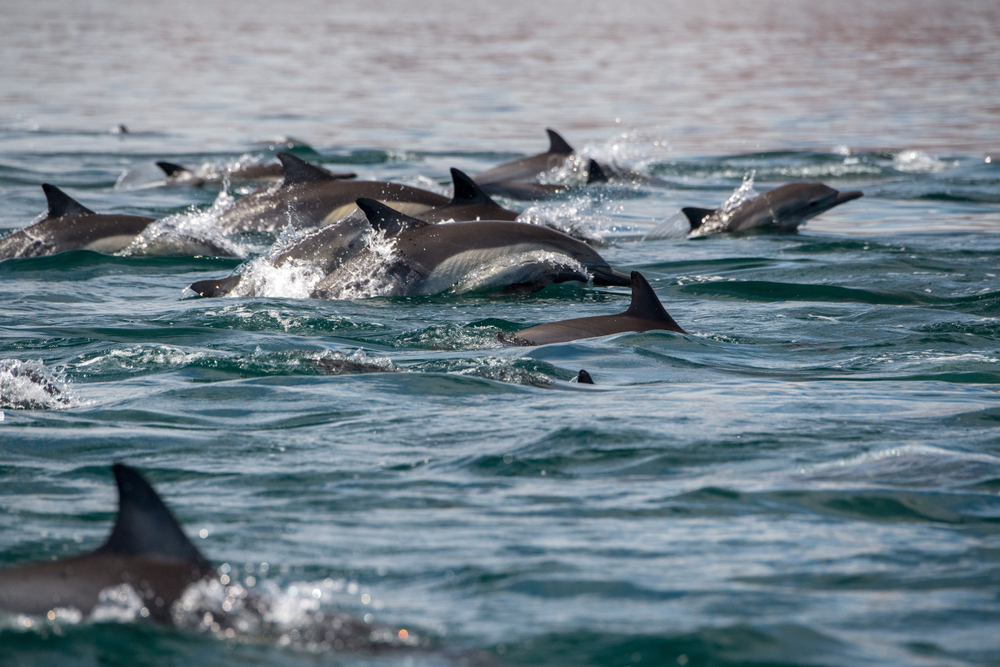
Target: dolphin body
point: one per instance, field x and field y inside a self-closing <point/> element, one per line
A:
<point x="68" y="225"/>
<point x="783" y="208"/>
<point x="312" y="197"/>
<point x="271" y="172"/>
<point x="645" y="313"/>
<point x="518" y="179"/>
<point x="147" y="549"/>
<point x="469" y="203"/>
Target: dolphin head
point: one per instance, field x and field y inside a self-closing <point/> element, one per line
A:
<point x="793" y="204"/>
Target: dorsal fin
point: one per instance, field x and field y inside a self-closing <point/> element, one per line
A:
<point x="299" y="171"/>
<point x="387" y="219"/>
<point x="145" y="527"/>
<point x="61" y="204"/>
<point x="647" y="306"/>
<point x="467" y="191"/>
<point x="217" y="286"/>
<point x="169" y="168"/>
<point x="583" y="377"/>
<point x="594" y="173"/>
<point x="557" y="144"/>
<point x="696" y="216"/>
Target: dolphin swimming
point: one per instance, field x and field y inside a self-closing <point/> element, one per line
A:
<point x="470" y="202"/>
<point x="785" y="208"/>
<point x="518" y="179"/>
<point x="251" y="173"/>
<point x="645" y="313"/>
<point x="147" y="549"/>
<point x="68" y="225"/>
<point x="311" y="197"/>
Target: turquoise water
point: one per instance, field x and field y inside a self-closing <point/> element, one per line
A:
<point x="810" y="477"/>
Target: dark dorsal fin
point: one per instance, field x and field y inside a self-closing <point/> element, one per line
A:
<point x="169" y="168"/>
<point x="299" y="171"/>
<point x="145" y="527"/>
<point x="216" y="287"/>
<point x="583" y="377"/>
<point x="647" y="306"/>
<point x="387" y="219"/>
<point x="594" y="173"/>
<point x="467" y="192"/>
<point x="557" y="144"/>
<point x="696" y="216"/>
<point x="61" y="204"/>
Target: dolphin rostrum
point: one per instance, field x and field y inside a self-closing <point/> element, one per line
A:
<point x="312" y="197"/>
<point x="518" y="179"/>
<point x="68" y="225"/>
<point x="645" y="313"/>
<point x="785" y="207"/>
<point x="147" y="549"/>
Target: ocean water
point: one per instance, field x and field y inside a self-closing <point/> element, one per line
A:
<point x="809" y="477"/>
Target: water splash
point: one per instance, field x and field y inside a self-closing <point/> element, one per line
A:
<point x="186" y="234"/>
<point x="29" y="385"/>
<point x="373" y="272"/>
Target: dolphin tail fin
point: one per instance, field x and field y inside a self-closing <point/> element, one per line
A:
<point x="217" y="287"/>
<point x="594" y="173"/>
<point x="169" y="168"/>
<point x="468" y="192"/>
<point x="144" y="525"/>
<point x="583" y="377"/>
<point x="61" y="204"/>
<point x="647" y="306"/>
<point x="299" y="171"/>
<point x="387" y="219"/>
<point x="696" y="216"/>
<point x="557" y="144"/>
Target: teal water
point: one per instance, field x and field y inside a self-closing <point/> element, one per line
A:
<point x="810" y="477"/>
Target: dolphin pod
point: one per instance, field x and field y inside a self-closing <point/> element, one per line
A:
<point x="645" y="313"/>
<point x="147" y="549"/>
<point x="784" y="207"/>
<point x="69" y="225"/>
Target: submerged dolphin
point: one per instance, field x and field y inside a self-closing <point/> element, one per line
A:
<point x="311" y="197"/>
<point x="785" y="207"/>
<point x="518" y="179"/>
<point x="147" y="549"/>
<point x="68" y="225"/>
<point x="645" y="313"/>
<point x="251" y="173"/>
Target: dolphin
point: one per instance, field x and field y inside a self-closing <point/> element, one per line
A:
<point x="785" y="207"/>
<point x="68" y="225"/>
<point x="147" y="549"/>
<point x="645" y="313"/>
<point x="430" y="258"/>
<point x="470" y="202"/>
<point x="518" y="179"/>
<point x="271" y="172"/>
<point x="311" y="197"/>
<point x="583" y="377"/>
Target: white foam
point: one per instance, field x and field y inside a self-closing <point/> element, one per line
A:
<point x="29" y="385"/>
<point x="192" y="233"/>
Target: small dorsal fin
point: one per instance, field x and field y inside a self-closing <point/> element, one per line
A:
<point x="145" y="527"/>
<point x="169" y="168"/>
<point x="387" y="219"/>
<point x="583" y="377"/>
<point x="594" y="173"/>
<point x="557" y="144"/>
<point x="467" y="191"/>
<point x="646" y="305"/>
<point x="61" y="204"/>
<point x="299" y="171"/>
<point x="696" y="216"/>
<point x="216" y="287"/>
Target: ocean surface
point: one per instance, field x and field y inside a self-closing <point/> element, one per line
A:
<point x="811" y="476"/>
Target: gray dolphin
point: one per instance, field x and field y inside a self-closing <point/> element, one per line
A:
<point x="430" y="258"/>
<point x="147" y="549"/>
<point x="785" y="207"/>
<point x="470" y="202"/>
<point x="311" y="197"/>
<point x="271" y="172"/>
<point x="645" y="313"/>
<point x="68" y="225"/>
<point x="518" y="179"/>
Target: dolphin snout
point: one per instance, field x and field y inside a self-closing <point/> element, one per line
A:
<point x="848" y="196"/>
